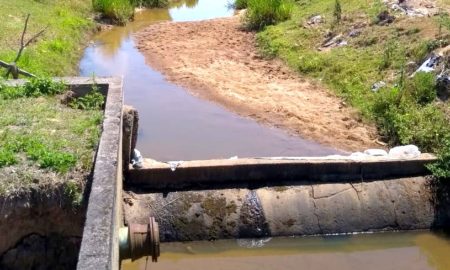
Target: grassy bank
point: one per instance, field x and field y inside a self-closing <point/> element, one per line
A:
<point x="38" y="146"/>
<point x="406" y="109"/>
<point x="58" y="51"/>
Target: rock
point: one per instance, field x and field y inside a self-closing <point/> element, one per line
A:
<point x="443" y="87"/>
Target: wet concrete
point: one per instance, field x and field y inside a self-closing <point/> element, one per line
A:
<point x="299" y="209"/>
<point x="175" y="125"/>
<point x="413" y="250"/>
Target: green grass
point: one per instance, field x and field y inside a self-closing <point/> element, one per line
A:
<point x="405" y="114"/>
<point x="36" y="136"/>
<point x="57" y="52"/>
<point x="406" y="111"/>
<point x="261" y="13"/>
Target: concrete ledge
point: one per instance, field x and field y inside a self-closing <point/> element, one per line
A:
<point x="158" y="175"/>
<point x="99" y="247"/>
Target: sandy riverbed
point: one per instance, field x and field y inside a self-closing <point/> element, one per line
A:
<point x="216" y="60"/>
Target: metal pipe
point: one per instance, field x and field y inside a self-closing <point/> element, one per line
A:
<point x="139" y="240"/>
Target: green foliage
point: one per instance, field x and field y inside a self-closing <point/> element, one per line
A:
<point x="7" y="157"/>
<point x="73" y="194"/>
<point x="261" y="13"/>
<point x="57" y="52"/>
<point x="441" y="168"/>
<point x="337" y="13"/>
<point x="93" y="100"/>
<point x="240" y="4"/>
<point x="36" y="87"/>
<point x="422" y="88"/>
<point x="118" y="10"/>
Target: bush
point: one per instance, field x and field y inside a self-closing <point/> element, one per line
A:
<point x="36" y="87"/>
<point x="119" y="11"/>
<point x="441" y="168"/>
<point x="422" y="88"/>
<point x="240" y="4"/>
<point x="261" y="13"/>
<point x="94" y="100"/>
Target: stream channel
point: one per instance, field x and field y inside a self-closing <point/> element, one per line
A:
<point x="174" y="125"/>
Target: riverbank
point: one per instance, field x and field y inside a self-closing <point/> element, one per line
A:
<point x="217" y="60"/>
<point x="57" y="51"/>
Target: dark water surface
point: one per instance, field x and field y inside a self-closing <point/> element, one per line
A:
<point x="382" y="251"/>
<point x="175" y="125"/>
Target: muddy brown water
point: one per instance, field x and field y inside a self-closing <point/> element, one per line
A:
<point x="409" y="251"/>
<point x="175" y="125"/>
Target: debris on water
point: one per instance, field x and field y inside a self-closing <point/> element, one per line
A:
<point x="137" y="159"/>
<point x="234" y="157"/>
<point x="378" y="85"/>
<point x="405" y="151"/>
<point x="253" y="243"/>
<point x="376" y="152"/>
<point x="384" y="18"/>
<point x="174" y="164"/>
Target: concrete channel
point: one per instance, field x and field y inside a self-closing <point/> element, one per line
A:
<point x="241" y="198"/>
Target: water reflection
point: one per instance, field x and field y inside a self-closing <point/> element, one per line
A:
<point x="175" y="125"/>
<point x="110" y="41"/>
<point x="181" y="3"/>
<point x="410" y="250"/>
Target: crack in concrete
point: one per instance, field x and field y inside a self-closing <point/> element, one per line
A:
<point x="329" y="196"/>
<point x="315" y="208"/>
<point x="357" y="192"/>
<point x="393" y="203"/>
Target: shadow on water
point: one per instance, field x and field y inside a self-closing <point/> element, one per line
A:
<point x="175" y="125"/>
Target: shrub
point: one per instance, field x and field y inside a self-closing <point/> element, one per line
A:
<point x="94" y="100"/>
<point x="441" y="168"/>
<point x="337" y="13"/>
<point x="422" y="88"/>
<point x="261" y="13"/>
<point x="240" y="4"/>
<point x="36" y="87"/>
<point x="119" y="11"/>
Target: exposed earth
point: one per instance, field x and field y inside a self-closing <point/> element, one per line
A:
<point x="218" y="60"/>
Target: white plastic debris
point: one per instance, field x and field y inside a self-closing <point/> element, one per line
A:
<point x="430" y="64"/>
<point x="137" y="159"/>
<point x="376" y="152"/>
<point x="404" y="152"/>
<point x="174" y="164"/>
<point x="253" y="243"/>
<point x="378" y="85"/>
<point x="234" y="157"/>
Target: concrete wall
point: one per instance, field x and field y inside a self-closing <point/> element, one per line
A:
<point x="99" y="246"/>
<point x="200" y="173"/>
<point x="300" y="209"/>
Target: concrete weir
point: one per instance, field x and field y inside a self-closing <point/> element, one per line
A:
<point x="259" y="198"/>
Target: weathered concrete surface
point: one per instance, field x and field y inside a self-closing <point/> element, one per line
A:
<point x="99" y="247"/>
<point x="129" y="137"/>
<point x="37" y="212"/>
<point x="303" y="209"/>
<point x="158" y="175"/>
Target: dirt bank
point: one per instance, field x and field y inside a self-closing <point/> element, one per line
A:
<point x="218" y="61"/>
